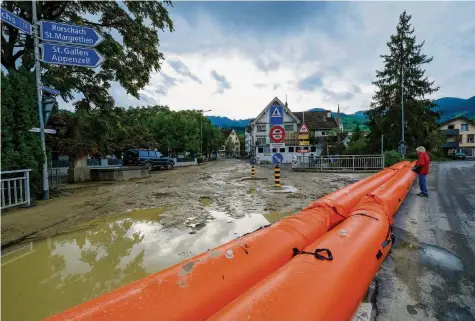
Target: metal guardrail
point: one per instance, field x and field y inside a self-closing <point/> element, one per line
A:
<point x="56" y="177"/>
<point x="15" y="188"/>
<point x="185" y="159"/>
<point x="345" y="162"/>
<point x="56" y="163"/>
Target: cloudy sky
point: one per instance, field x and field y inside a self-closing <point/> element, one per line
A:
<point x="234" y="57"/>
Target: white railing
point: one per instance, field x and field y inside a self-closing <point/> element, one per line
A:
<point x="15" y="188"/>
<point x="345" y="162"/>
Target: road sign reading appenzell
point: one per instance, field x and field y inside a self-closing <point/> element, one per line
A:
<point x="15" y="21"/>
<point x="69" y="34"/>
<point x="277" y="134"/>
<point x="71" y="56"/>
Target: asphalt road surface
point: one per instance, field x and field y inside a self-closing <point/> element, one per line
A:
<point x="430" y="272"/>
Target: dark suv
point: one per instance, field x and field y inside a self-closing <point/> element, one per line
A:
<point x="148" y="158"/>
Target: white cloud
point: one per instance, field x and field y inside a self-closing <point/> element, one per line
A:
<point x="259" y="66"/>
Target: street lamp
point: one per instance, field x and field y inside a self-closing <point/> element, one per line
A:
<point x="201" y="126"/>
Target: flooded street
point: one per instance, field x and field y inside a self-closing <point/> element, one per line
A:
<point x="99" y="237"/>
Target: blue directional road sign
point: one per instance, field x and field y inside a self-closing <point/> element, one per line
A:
<point x="15" y="21"/>
<point x="277" y="158"/>
<point x="70" y="34"/>
<point x="50" y="90"/>
<point x="70" y="56"/>
<point x="276" y="115"/>
<point x="253" y="161"/>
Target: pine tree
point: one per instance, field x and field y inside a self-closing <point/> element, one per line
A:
<point x="403" y="65"/>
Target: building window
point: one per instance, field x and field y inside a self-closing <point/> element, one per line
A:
<point x="260" y="150"/>
<point x="451" y="127"/>
<point x="282" y="150"/>
<point x="274" y="150"/>
<point x="289" y="127"/>
<point x="324" y="133"/>
<point x="291" y="149"/>
<point x="313" y="149"/>
<point x="464" y="128"/>
<point x="261" y="128"/>
<point x="260" y="141"/>
<point x="471" y="138"/>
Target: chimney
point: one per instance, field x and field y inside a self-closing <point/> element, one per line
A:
<point x="329" y="114"/>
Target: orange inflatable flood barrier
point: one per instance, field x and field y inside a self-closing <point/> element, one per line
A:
<point x="198" y="287"/>
<point x="343" y="200"/>
<point x="328" y="280"/>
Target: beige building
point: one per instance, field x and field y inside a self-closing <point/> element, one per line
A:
<point x="322" y="128"/>
<point x="232" y="145"/>
<point x="460" y="136"/>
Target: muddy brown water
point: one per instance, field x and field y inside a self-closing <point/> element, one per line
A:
<point x="53" y="274"/>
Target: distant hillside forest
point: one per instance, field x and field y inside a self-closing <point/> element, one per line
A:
<point x="448" y="107"/>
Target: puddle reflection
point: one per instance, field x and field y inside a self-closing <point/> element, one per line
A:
<point x="52" y="275"/>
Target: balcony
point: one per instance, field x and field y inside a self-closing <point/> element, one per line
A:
<point x="450" y="132"/>
<point x="451" y="144"/>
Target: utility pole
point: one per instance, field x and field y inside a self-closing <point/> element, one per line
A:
<point x="201" y="130"/>
<point x="39" y="98"/>
<point x="402" y="112"/>
<point x="382" y="144"/>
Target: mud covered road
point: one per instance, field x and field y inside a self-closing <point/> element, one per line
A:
<point x="178" y="195"/>
<point x="430" y="272"/>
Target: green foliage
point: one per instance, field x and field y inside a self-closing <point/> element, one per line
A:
<point x="359" y="147"/>
<point x="229" y="146"/>
<point x="403" y="64"/>
<point x="111" y="132"/>
<point x="391" y="157"/>
<point x="130" y="30"/>
<point x="21" y="149"/>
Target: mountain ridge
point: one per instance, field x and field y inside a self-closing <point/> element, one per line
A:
<point x="449" y="107"/>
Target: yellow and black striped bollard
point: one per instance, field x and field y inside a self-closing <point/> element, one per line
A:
<point x="253" y="171"/>
<point x="277" y="176"/>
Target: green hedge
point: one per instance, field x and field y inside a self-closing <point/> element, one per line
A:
<point x="21" y="149"/>
<point x="391" y="157"/>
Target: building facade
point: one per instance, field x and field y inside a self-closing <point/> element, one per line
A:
<point x="460" y="136"/>
<point x="321" y="124"/>
<point x="232" y="145"/>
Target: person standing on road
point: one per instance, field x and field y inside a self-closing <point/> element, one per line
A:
<point x="422" y="169"/>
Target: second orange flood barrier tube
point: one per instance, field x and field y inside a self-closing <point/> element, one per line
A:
<point x="198" y="287"/>
<point x="328" y="280"/>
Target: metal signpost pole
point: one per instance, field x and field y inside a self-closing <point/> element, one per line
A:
<point x="40" y="103"/>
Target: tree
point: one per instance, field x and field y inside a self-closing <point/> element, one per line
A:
<point x="21" y="149"/>
<point x="403" y="65"/>
<point x="229" y="145"/>
<point x="356" y="135"/>
<point x="130" y="30"/>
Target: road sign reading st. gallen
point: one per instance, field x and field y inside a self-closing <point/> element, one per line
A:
<point x="277" y="134"/>
<point x="67" y="35"/>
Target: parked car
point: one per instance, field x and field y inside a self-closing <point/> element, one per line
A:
<point x="148" y="158"/>
<point x="459" y="155"/>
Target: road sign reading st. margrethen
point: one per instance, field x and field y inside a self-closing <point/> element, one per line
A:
<point x="70" y="34"/>
<point x="71" y="56"/>
<point x="15" y="21"/>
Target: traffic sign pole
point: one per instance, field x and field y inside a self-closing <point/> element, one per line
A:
<point x="40" y="100"/>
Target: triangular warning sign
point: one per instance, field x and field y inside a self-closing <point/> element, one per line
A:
<point x="276" y="113"/>
<point x="303" y="129"/>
